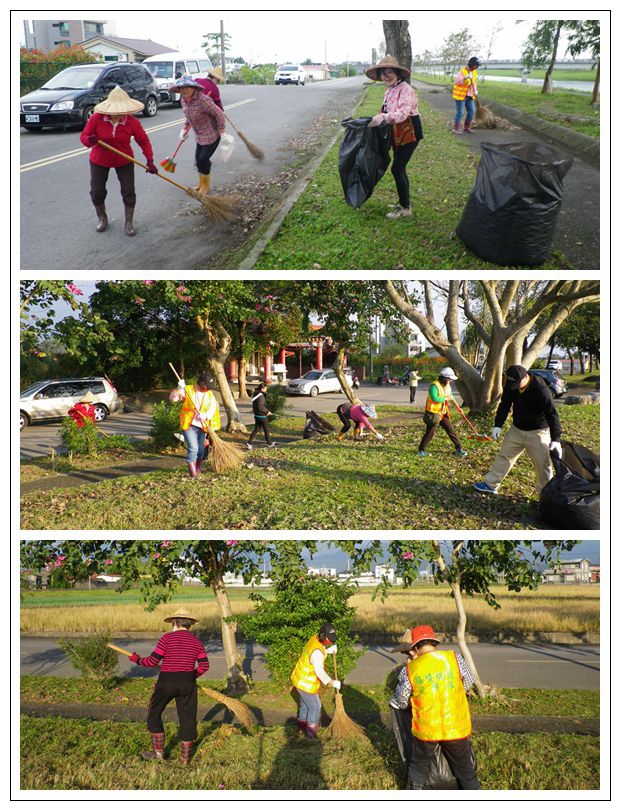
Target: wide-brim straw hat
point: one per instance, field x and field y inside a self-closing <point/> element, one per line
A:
<point x="387" y="62"/>
<point x="406" y="643"/>
<point x="217" y="73"/>
<point x="181" y="613"/>
<point x="119" y="103"/>
<point x="186" y="81"/>
<point x="88" y="397"/>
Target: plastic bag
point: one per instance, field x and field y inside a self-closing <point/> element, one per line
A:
<point x="316" y="425"/>
<point x="439" y="774"/>
<point x="227" y="145"/>
<point x="513" y="209"/>
<point x="363" y="158"/>
<point x="571" y="500"/>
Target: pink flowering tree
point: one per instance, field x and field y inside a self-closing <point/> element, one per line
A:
<point x="38" y="302"/>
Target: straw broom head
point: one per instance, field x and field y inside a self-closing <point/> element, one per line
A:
<point x="223" y="456"/>
<point x="254" y="150"/>
<point x="485" y="119"/>
<point x="218" y="209"/>
<point x="239" y="709"/>
<point x="341" y="726"/>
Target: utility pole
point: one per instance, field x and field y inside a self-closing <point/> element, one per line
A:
<point x="222" y="49"/>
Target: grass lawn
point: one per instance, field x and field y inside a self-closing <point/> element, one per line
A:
<point x="321" y="229"/>
<point x="318" y="484"/>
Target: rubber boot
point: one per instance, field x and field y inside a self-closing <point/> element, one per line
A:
<point x="193" y="472"/>
<point x="311" y="730"/>
<point x="198" y="467"/>
<point x="301" y="727"/>
<point x="103" y="218"/>
<point x="157" y="752"/>
<point x="205" y="183"/>
<point x="467" y="126"/>
<point x="187" y="751"/>
<point x="340" y="436"/>
<point x="129" y="228"/>
<point x="457" y="128"/>
<point x="356" y="434"/>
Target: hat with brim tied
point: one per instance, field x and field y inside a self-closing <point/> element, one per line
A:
<point x="186" y="81"/>
<point x="181" y="613"/>
<point x="88" y="397"/>
<point x="387" y="62"/>
<point x="405" y="643"/>
<point x="119" y="103"/>
<point x="217" y="73"/>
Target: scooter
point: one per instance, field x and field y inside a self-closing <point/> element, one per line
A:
<point x="387" y="380"/>
<point x="356" y="382"/>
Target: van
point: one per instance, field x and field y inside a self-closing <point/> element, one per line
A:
<point x="168" y="67"/>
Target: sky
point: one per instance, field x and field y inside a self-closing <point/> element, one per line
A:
<point x="263" y="36"/>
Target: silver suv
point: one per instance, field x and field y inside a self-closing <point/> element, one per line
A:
<point x="51" y="399"/>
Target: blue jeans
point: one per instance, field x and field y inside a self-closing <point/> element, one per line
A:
<point x="309" y="707"/>
<point x="466" y="103"/>
<point x="195" y="443"/>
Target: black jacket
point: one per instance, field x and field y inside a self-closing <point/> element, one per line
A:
<point x="532" y="408"/>
<point x="259" y="405"/>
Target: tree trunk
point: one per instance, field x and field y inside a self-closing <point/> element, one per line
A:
<point x="551" y="350"/>
<point x="218" y="343"/>
<point x="597" y="81"/>
<point x="237" y="680"/>
<point x="582" y="367"/>
<point x="339" y="371"/>
<point x="572" y="361"/>
<point x="548" y="82"/>
<point x="398" y="41"/>
<point x="481" y="689"/>
<point x="242" y="364"/>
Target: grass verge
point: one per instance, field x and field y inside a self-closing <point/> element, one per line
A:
<point x="322" y="231"/>
<point x="318" y="484"/>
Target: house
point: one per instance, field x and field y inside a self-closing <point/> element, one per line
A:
<point x="322" y="572"/>
<point x="317" y="73"/>
<point x="572" y="572"/>
<point x="47" y="35"/>
<point x="120" y="49"/>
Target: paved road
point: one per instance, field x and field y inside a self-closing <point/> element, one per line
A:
<point x="57" y="218"/>
<point x="540" y="666"/>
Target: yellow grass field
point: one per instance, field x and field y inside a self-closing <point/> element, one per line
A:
<point x="551" y="609"/>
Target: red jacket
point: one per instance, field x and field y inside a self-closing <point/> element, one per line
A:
<point x="211" y="90"/>
<point x="119" y="136"/>
<point x="81" y="413"/>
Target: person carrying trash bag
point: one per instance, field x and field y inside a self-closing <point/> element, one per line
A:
<point x="400" y="110"/>
<point x="261" y="416"/>
<point x="535" y="428"/>
<point x="464" y="93"/>
<point x="182" y="659"/>
<point x="435" y="686"/>
<point x="359" y="415"/>
<point x="206" y="119"/>
<point x="113" y="122"/>
<point x="309" y="674"/>
<point x="437" y="413"/>
<point x="199" y="408"/>
<point x="83" y="411"/>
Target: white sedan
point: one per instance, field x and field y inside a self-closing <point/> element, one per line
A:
<point x="317" y="382"/>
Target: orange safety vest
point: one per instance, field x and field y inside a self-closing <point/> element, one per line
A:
<point x="438" y="698"/>
<point x="209" y="410"/>
<point x="304" y="677"/>
<point x="439" y="407"/>
<point x="459" y="91"/>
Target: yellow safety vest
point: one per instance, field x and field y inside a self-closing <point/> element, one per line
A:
<point x="459" y="91"/>
<point x="304" y="677"/>
<point x="208" y="408"/>
<point x="438" y="698"/>
<point x="439" y="407"/>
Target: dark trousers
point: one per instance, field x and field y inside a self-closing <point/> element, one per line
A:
<point x="181" y="687"/>
<point x="446" y="424"/>
<point x="459" y="754"/>
<point x="412" y="392"/>
<point x="203" y="156"/>
<point x="402" y="156"/>
<point x="99" y="178"/>
<point x="346" y="420"/>
<point x="258" y="424"/>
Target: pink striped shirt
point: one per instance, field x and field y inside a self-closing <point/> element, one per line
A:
<point x="204" y="117"/>
<point x="399" y="102"/>
<point x="178" y="651"/>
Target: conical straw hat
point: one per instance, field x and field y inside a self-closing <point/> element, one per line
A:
<point x="181" y="613"/>
<point x="119" y="103"/>
<point x="387" y="62"/>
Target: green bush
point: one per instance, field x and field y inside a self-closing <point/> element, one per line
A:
<point x="276" y="399"/>
<point x="88" y="441"/>
<point x="284" y="624"/>
<point x="166" y="421"/>
<point x="91" y="656"/>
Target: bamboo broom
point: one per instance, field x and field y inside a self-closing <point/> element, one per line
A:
<point x="223" y="456"/>
<point x="219" y="209"/>
<point x="341" y="725"/>
<point x="254" y="150"/>
<point x="239" y="709"/>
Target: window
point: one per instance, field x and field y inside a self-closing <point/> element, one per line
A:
<point x="134" y="74"/>
<point x="192" y="66"/>
<point x="80" y="387"/>
<point x="330" y="375"/>
<point x="54" y="391"/>
<point x="115" y="76"/>
<point x="180" y="69"/>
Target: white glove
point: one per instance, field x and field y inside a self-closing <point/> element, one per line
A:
<point x="557" y="447"/>
<point x="227" y="139"/>
<point x="336" y="685"/>
<point x="332" y="650"/>
<point x="183" y="134"/>
<point x="380" y="436"/>
<point x="181" y="385"/>
<point x="496" y="433"/>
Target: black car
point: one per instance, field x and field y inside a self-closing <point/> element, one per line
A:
<point x="553" y="378"/>
<point x="69" y="97"/>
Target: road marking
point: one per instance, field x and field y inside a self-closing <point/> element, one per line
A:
<point x="539" y="661"/>
<point x="82" y="150"/>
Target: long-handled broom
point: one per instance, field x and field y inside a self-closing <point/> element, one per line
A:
<point x="168" y="164"/>
<point x="254" y="150"/>
<point x="223" y="456"/>
<point x="219" y="209"/>
<point x="480" y="437"/>
<point x="341" y="725"/>
<point x="239" y="709"/>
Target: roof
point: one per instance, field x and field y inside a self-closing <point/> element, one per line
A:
<point x="144" y="46"/>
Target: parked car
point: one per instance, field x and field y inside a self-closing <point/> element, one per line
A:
<point x="290" y="74"/>
<point x="556" y="365"/>
<point x="168" y="67"/>
<point x="554" y="380"/>
<point x="317" y="382"/>
<point x="68" y="98"/>
<point x="51" y="399"/>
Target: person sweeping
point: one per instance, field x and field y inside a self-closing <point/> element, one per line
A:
<point x="208" y="122"/>
<point x="309" y="674"/>
<point x="182" y="659"/>
<point x="437" y="412"/>
<point x="199" y="409"/>
<point x="210" y="85"/>
<point x="464" y="93"/>
<point x="261" y="416"/>
<point x="359" y="415"/>
<point x="113" y="123"/>
<point x="83" y="411"/>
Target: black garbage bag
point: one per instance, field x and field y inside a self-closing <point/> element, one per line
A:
<point x="571" y="500"/>
<point x="363" y="159"/>
<point x="316" y="425"/>
<point x="439" y="775"/>
<point x="512" y="212"/>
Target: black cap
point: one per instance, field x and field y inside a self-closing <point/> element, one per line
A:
<point x="204" y="380"/>
<point x="328" y="631"/>
<point x="514" y="375"/>
<point x="474" y="62"/>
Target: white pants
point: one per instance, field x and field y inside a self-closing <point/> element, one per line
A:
<point x="536" y="445"/>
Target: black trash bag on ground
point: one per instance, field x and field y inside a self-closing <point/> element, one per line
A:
<point x="439" y="775"/>
<point x="363" y="159"/>
<point x="513" y="209"/>
<point x="316" y="425"/>
<point x="571" y="500"/>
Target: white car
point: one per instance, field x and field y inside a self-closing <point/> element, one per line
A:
<point x="556" y="365"/>
<point x="51" y="399"/>
<point x="290" y="74"/>
<point x="317" y="382"/>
